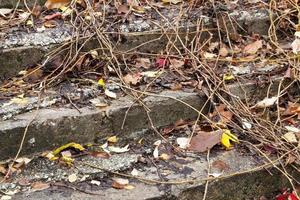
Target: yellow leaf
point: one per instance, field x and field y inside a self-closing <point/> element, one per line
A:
<point x="68" y="160"/>
<point x="29" y="23"/>
<point x="228" y="137"/>
<point x="228" y="77"/>
<point x="101" y="83"/>
<point x="66" y="10"/>
<point x="72" y="144"/>
<point x="94" y="54"/>
<point x="112" y="139"/>
<point x="129" y="187"/>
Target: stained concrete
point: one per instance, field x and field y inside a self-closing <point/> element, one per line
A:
<point x="182" y="179"/>
<point x="138" y="35"/>
<point x="53" y="127"/>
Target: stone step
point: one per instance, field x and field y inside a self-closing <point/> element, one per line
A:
<point x="20" y="49"/>
<point x="51" y="127"/>
<point x="240" y="176"/>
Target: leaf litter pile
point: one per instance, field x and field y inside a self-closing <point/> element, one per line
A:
<point x="268" y="125"/>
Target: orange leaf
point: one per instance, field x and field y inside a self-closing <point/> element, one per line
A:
<point x="51" y="4"/>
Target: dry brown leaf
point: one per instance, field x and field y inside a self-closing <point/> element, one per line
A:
<point x="100" y="154"/>
<point x="223" y="51"/>
<point x="225" y="115"/>
<point x="120" y="183"/>
<point x="51" y="4"/>
<point x="252" y="48"/>
<point x="2" y="170"/>
<point x="132" y="78"/>
<point x="37" y="186"/>
<point x="143" y="62"/>
<point x="176" y="63"/>
<point x="123" y="9"/>
<point x="205" y="140"/>
<point x="220" y="165"/>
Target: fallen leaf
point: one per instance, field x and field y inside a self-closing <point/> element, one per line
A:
<point x="204" y="141"/>
<point x="72" y="178"/>
<point x="132" y="78"/>
<point x="152" y="74"/>
<point x="53" y="16"/>
<point x="67" y="160"/>
<point x="138" y="9"/>
<point x="296" y="46"/>
<point x="120" y="183"/>
<point x="69" y="145"/>
<point x="110" y="94"/>
<point x="143" y="62"/>
<point x="112" y="139"/>
<point x="162" y="62"/>
<point x="225" y="115"/>
<point x="183" y="142"/>
<point x="290" y="137"/>
<point x="50" y="24"/>
<point x="292" y="129"/>
<point x="51" y="4"/>
<point x="2" y="170"/>
<point x="98" y="154"/>
<point x="37" y="186"/>
<point x="246" y="124"/>
<point x="94" y="54"/>
<point x="215" y="174"/>
<point x="252" y="48"/>
<point x="228" y="77"/>
<point x="23" y="160"/>
<point x="6" y="197"/>
<point x="134" y="172"/>
<point x="5" y="11"/>
<point x="20" y="100"/>
<point x="155" y="152"/>
<point x="98" y="103"/>
<point x="176" y="63"/>
<point x="129" y="187"/>
<point x="164" y="156"/>
<point x="220" y="165"/>
<point x="118" y="149"/>
<point x="227" y="138"/>
<point x="95" y="182"/>
<point x="101" y="83"/>
<point x="172" y="1"/>
<point x="117" y="185"/>
<point x="208" y="55"/>
<point x="266" y="102"/>
<point x="123" y="9"/>
<point x="223" y="51"/>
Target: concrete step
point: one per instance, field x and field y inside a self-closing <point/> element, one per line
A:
<point x="240" y="176"/>
<point x="21" y="48"/>
<point x="50" y="127"/>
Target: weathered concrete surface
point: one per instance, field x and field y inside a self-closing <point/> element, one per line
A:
<point x="249" y="182"/>
<point x="139" y="35"/>
<point x="53" y="127"/>
<point x="14" y="3"/>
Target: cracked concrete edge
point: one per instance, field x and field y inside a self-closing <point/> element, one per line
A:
<point x="248" y="181"/>
<point x="51" y="128"/>
<point x="148" y="39"/>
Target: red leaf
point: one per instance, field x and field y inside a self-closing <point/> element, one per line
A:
<point x="162" y="62"/>
<point x="53" y="16"/>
